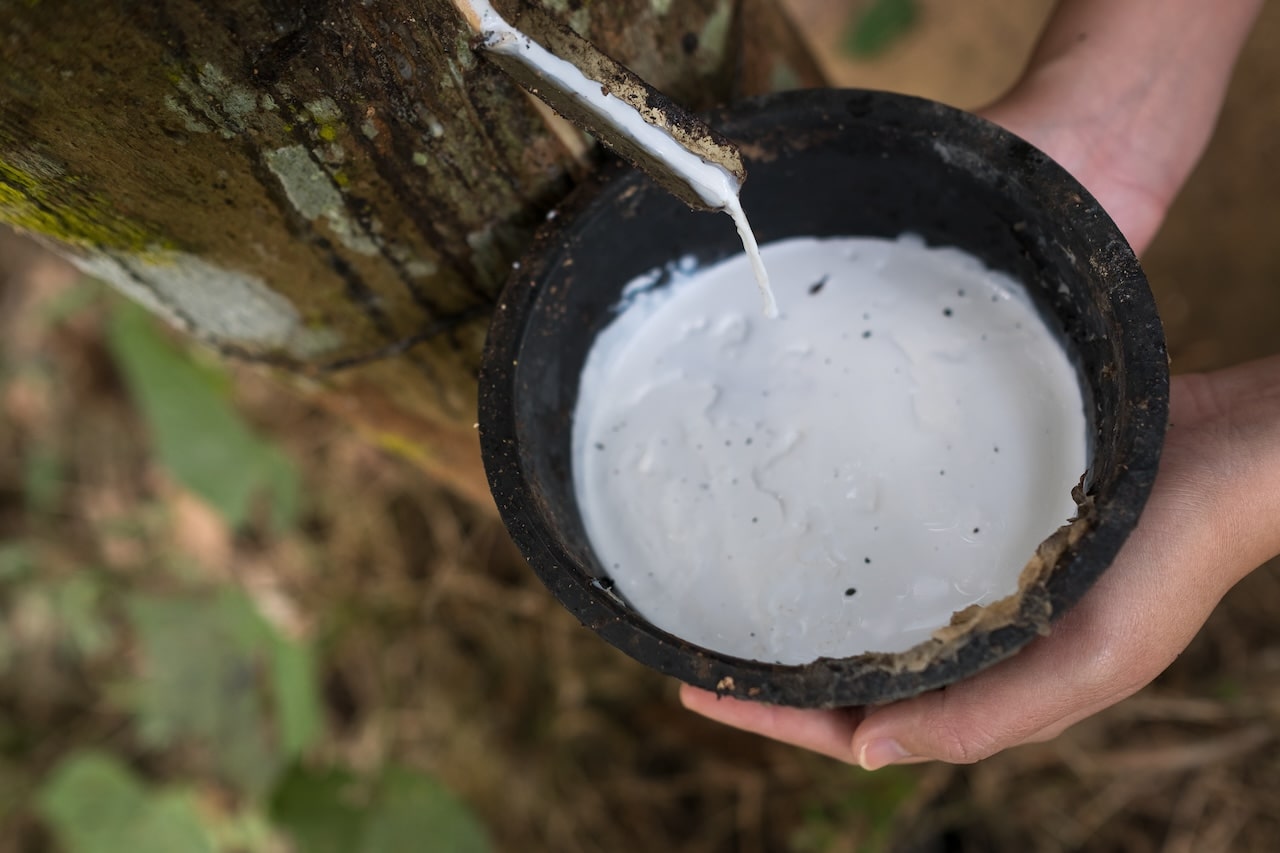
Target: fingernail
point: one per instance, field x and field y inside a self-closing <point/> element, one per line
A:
<point x="881" y="753"/>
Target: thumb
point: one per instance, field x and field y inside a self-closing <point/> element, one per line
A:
<point x="1030" y="698"/>
<point x="1134" y="622"/>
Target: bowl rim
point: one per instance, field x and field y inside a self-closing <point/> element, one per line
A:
<point x="870" y="677"/>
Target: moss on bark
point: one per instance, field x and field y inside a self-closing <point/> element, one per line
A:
<point x="336" y="189"/>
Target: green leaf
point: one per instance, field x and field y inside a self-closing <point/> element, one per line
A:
<point x="320" y="809"/>
<point x="416" y="813"/>
<point x="877" y="28"/>
<point x="198" y="434"/>
<point x="42" y="477"/>
<point x="296" y="690"/>
<point x="14" y="786"/>
<point x="94" y="804"/>
<point x="203" y="680"/>
<point x="329" y="811"/>
<point x="77" y="605"/>
<point x="215" y="671"/>
<point x="15" y="561"/>
<point x="246" y="830"/>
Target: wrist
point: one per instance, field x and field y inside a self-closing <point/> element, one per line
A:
<point x="1125" y="95"/>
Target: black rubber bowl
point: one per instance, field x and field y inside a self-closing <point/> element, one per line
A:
<point x="833" y="163"/>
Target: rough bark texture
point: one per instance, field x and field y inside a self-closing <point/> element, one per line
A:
<point x="333" y="188"/>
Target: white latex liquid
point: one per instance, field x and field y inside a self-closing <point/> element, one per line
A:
<point x="713" y="184"/>
<point x="840" y="480"/>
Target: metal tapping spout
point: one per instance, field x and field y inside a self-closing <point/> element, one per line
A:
<point x="604" y="98"/>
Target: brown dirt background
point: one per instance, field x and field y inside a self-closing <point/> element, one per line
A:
<point x="443" y="651"/>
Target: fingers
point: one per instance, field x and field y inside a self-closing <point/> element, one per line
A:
<point x="826" y="732"/>
<point x="1143" y="611"/>
<point x="1132" y="624"/>
<point x="1032" y="697"/>
<point x="1126" y="630"/>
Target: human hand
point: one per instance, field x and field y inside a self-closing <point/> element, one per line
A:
<point x="1124" y="95"/>
<point x="1209" y="521"/>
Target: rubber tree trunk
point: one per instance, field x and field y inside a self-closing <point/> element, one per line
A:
<point x="336" y="189"/>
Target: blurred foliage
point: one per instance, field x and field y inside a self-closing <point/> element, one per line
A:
<point x="43" y="476"/>
<point x="75" y="603"/>
<point x="96" y="805"/>
<point x="875" y="29"/>
<point x="15" y="561"/>
<point x="216" y="672"/>
<point x="332" y="811"/>
<point x="864" y="808"/>
<point x="216" y="710"/>
<point x="196" y="432"/>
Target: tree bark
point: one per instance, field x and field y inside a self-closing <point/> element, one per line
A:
<point x="335" y="189"/>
